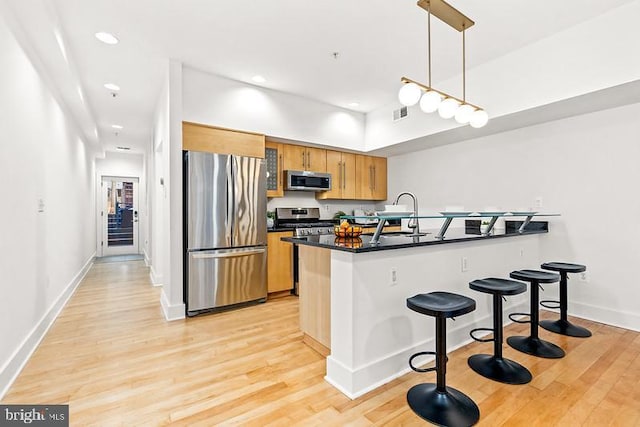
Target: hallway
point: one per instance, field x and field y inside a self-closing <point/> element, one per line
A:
<point x="116" y="361"/>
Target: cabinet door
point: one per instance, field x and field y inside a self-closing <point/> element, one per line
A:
<point x="379" y="178"/>
<point x="336" y="169"/>
<point x="279" y="262"/>
<point x="364" y="177"/>
<point x="275" y="177"/>
<point x="295" y="157"/>
<point x="211" y="139"/>
<point x="348" y="176"/>
<point x="316" y="159"/>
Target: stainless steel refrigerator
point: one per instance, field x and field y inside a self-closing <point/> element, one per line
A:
<point x="225" y="231"/>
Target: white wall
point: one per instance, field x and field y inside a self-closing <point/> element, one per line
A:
<point x="166" y="199"/>
<point x="127" y="165"/>
<point x="584" y="167"/>
<point x="585" y="58"/>
<point x="228" y="103"/>
<point x="172" y="291"/>
<point x="45" y="248"/>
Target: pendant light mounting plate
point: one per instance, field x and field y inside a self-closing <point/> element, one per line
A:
<point x="447" y="14"/>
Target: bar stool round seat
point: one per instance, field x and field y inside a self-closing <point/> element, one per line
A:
<point x="438" y="403"/>
<point x="563" y="326"/>
<point x="533" y="344"/>
<point x="441" y="304"/>
<point x="494" y="366"/>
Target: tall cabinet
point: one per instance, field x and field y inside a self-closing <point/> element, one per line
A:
<point x="371" y="176"/>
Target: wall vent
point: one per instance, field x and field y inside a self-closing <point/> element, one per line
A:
<point x="400" y="113"/>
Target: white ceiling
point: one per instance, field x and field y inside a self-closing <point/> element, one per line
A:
<point x="289" y="42"/>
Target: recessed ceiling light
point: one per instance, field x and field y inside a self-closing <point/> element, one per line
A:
<point x="112" y="86"/>
<point x="107" y="38"/>
<point x="116" y="126"/>
<point x="258" y="79"/>
<point x="353" y="104"/>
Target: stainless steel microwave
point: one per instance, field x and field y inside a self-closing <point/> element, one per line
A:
<point x="308" y="181"/>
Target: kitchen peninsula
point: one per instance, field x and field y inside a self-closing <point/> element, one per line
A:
<point x="353" y="292"/>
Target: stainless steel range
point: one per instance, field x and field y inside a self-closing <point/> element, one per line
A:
<point x="304" y="221"/>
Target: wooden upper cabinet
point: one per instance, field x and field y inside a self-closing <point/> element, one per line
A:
<point x="371" y="178"/>
<point x="379" y="178"/>
<point x="274" y="158"/>
<point x="342" y="167"/>
<point x="199" y="137"/>
<point x="294" y="157"/>
<point x="300" y="158"/>
<point x="316" y="159"/>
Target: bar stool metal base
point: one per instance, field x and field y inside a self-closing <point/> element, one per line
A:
<point x="564" y="327"/>
<point x="450" y="408"/>
<point x="499" y="369"/>
<point x="536" y="347"/>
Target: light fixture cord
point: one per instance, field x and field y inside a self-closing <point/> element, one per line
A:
<point x="464" y="66"/>
<point x="429" y="41"/>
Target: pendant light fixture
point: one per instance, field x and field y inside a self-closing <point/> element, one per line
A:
<point x="431" y="99"/>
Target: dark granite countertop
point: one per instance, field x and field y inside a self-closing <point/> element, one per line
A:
<point x="278" y="229"/>
<point x="389" y="242"/>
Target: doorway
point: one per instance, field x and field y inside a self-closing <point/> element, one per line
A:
<point x="119" y="216"/>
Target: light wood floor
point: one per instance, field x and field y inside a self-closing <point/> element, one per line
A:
<point x="112" y="357"/>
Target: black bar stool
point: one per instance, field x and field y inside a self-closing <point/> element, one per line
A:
<point x="563" y="326"/>
<point x="438" y="403"/>
<point x="494" y="366"/>
<point x="533" y="344"/>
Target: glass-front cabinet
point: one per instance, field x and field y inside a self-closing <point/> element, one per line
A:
<point x="275" y="178"/>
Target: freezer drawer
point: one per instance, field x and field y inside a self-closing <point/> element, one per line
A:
<point x="219" y="278"/>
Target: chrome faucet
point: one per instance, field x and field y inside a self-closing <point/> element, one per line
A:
<point x="413" y="222"/>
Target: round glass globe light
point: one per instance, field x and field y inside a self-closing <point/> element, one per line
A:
<point x="479" y="118"/>
<point x="463" y="114"/>
<point x="430" y="101"/>
<point x="447" y="108"/>
<point x="409" y="94"/>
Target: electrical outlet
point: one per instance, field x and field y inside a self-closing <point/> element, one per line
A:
<point x="521" y="252"/>
<point x="538" y="202"/>
<point x="394" y="276"/>
<point x="583" y="276"/>
<point x="326" y="207"/>
<point x="464" y="264"/>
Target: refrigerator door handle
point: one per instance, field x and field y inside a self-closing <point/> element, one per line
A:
<point x="229" y="254"/>
<point x="230" y="201"/>
<point x="233" y="211"/>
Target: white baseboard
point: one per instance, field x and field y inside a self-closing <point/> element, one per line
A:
<point x="147" y="260"/>
<point x="21" y="355"/>
<point x="355" y="382"/>
<point x="171" y="312"/>
<point x="156" y="279"/>
<point x="606" y="315"/>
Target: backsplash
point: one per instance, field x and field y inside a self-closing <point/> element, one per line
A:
<point x="306" y="199"/>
